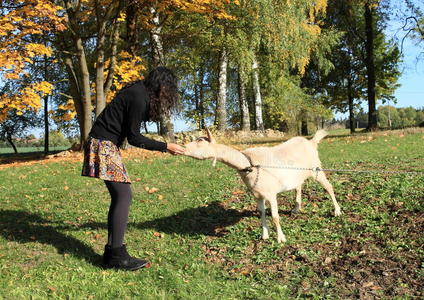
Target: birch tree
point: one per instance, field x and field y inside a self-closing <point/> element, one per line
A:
<point x="221" y="112"/>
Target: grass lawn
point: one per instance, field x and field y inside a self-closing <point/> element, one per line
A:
<point x="202" y="233"/>
<point x="9" y="150"/>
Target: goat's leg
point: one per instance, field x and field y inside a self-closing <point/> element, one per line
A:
<point x="298" y="206"/>
<point x="262" y="209"/>
<point x="329" y="188"/>
<point x="276" y="218"/>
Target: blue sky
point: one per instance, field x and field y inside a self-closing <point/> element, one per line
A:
<point x="411" y="91"/>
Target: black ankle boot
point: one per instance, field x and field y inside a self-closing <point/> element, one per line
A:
<point x="118" y="258"/>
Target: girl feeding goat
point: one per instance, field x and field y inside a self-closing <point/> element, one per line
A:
<point x="140" y="101"/>
<point x="267" y="171"/>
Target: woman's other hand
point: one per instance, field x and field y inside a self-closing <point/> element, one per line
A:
<point x="175" y="148"/>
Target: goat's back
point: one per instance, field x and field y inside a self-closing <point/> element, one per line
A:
<point x="297" y="151"/>
<point x="280" y="165"/>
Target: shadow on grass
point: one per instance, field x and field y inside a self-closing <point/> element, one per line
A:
<point x="208" y="220"/>
<point x="7" y="158"/>
<point x="24" y="227"/>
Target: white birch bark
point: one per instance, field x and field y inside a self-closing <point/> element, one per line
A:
<point x="257" y="92"/>
<point x="166" y="126"/>
<point x="244" y="107"/>
<point x="222" y="91"/>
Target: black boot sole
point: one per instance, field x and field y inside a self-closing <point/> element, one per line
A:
<point x="145" y="265"/>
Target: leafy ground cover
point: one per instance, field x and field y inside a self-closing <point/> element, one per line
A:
<point x="199" y="227"/>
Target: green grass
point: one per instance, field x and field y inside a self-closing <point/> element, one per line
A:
<point x="9" y="150"/>
<point x="203" y="236"/>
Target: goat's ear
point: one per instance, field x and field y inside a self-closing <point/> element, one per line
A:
<point x="210" y="137"/>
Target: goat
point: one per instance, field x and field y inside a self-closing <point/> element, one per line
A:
<point x="262" y="170"/>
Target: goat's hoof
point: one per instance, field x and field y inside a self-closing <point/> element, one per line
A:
<point x="281" y="239"/>
<point x="265" y="236"/>
<point x="337" y="213"/>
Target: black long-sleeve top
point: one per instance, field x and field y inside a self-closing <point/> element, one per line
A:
<point x="122" y="118"/>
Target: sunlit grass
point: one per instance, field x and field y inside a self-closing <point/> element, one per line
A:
<point x="201" y="231"/>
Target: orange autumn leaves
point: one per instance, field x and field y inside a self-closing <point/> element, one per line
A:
<point x="25" y="24"/>
<point x="25" y="21"/>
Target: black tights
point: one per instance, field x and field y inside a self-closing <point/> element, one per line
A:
<point x="117" y="217"/>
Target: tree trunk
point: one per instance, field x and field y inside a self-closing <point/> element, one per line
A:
<point x="85" y="85"/>
<point x="201" y="100"/>
<point x="369" y="46"/>
<point x="46" y="125"/>
<point x="166" y="126"/>
<point x="113" y="58"/>
<point x="100" y="67"/>
<point x="131" y="24"/>
<point x="198" y="101"/>
<point x="221" y="111"/>
<point x="244" y="107"/>
<point x="157" y="47"/>
<point x="9" y="139"/>
<point x="350" y="99"/>
<point x="104" y="15"/>
<point x="304" y="122"/>
<point x="257" y="91"/>
<point x="46" y="110"/>
<point x="77" y="69"/>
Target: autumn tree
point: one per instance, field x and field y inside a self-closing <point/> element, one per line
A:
<point x="87" y="40"/>
<point x="21" y="22"/>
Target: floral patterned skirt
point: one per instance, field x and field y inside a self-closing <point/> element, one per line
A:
<point x="102" y="159"/>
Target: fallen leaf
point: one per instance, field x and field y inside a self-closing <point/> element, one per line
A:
<point x="66" y="187"/>
<point x="158" y="234"/>
<point x="138" y="179"/>
<point x="238" y="192"/>
<point x="146" y="188"/>
<point x="160" y="197"/>
<point x="327" y="260"/>
<point x="153" y="190"/>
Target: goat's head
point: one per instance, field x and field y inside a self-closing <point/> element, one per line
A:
<point x="202" y="148"/>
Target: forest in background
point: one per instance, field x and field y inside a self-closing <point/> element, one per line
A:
<point x="248" y="65"/>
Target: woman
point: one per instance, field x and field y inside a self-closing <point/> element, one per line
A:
<point x="140" y="101"/>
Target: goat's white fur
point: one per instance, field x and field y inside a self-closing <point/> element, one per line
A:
<point x="296" y="152"/>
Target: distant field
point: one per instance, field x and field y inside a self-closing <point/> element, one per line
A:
<point x="202" y="233"/>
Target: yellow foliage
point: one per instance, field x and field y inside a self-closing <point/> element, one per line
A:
<point x="128" y="69"/>
<point x="214" y="8"/>
<point x="37" y="49"/>
<point x="65" y="112"/>
<point x="302" y="63"/>
<point x="28" y="19"/>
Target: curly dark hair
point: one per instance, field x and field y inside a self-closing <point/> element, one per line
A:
<point x="162" y="86"/>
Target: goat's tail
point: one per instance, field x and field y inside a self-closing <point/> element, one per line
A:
<point x="319" y="135"/>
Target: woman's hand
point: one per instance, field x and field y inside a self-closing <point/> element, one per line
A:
<point x="175" y="148"/>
